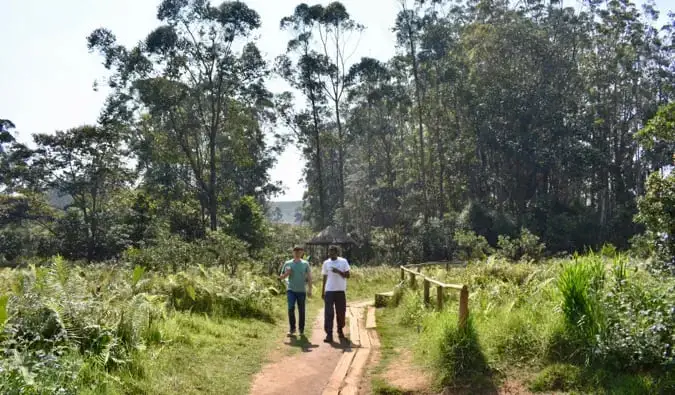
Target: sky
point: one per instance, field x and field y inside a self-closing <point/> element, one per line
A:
<point x="47" y="74"/>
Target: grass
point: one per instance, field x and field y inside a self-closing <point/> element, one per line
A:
<point x="208" y="356"/>
<point x="591" y="324"/>
<point x="124" y="330"/>
<point x="112" y="330"/>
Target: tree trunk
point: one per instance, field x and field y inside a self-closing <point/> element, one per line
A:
<point x="213" y="195"/>
<point x="418" y="97"/>
<point x="319" y="172"/>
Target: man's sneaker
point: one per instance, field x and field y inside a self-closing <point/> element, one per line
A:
<point x="328" y="339"/>
<point x="291" y="333"/>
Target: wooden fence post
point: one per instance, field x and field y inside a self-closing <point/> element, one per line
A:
<point x="413" y="285"/>
<point x="402" y="274"/>
<point x="439" y="297"/>
<point x="426" y="292"/>
<point x="463" y="306"/>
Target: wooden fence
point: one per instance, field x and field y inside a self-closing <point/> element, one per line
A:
<point x="440" y="288"/>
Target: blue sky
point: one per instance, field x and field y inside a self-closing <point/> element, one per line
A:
<point x="47" y="74"/>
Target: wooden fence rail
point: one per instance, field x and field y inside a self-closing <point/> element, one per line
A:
<point x="440" y="287"/>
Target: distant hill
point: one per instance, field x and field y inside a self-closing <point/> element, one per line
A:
<point x="288" y="212"/>
<point x="285" y="212"/>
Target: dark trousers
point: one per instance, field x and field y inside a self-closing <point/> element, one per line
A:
<point x="338" y="301"/>
<point x="292" y="298"/>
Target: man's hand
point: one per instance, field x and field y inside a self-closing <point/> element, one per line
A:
<point x="342" y="274"/>
<point x="286" y="274"/>
<point x="309" y="293"/>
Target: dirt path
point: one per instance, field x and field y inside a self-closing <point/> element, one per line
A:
<point x="306" y="372"/>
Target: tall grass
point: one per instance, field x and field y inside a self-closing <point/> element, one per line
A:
<point x="581" y="321"/>
<point x="580" y="284"/>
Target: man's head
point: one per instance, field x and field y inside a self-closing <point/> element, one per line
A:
<point x="298" y="252"/>
<point x="333" y="252"/>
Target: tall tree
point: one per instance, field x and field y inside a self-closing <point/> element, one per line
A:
<point x="195" y="84"/>
<point x="86" y="163"/>
<point x="303" y="67"/>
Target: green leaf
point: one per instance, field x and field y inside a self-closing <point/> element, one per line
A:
<point x="4" y="299"/>
<point x="191" y="291"/>
<point x="138" y="274"/>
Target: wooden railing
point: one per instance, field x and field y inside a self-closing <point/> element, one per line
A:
<point x="440" y="287"/>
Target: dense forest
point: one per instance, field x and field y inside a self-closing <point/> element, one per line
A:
<point x="493" y="119"/>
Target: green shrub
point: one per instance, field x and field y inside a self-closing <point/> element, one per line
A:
<point x="471" y="246"/>
<point x="173" y="253"/>
<point x="579" y="284"/>
<point x="642" y="246"/>
<point x="640" y="325"/>
<point x="411" y="309"/>
<point x="216" y="293"/>
<point x="248" y="222"/>
<point x="526" y="247"/>
<point x="608" y="250"/>
<point x="558" y="377"/>
<point x="456" y="354"/>
<point x="515" y="335"/>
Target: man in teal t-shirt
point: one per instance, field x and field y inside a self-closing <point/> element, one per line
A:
<point x="297" y="273"/>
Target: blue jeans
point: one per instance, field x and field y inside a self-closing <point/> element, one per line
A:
<point x="298" y="297"/>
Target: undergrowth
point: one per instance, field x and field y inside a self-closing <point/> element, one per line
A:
<point x="64" y="327"/>
<point x="580" y="322"/>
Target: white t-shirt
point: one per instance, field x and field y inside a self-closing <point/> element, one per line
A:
<point x="335" y="282"/>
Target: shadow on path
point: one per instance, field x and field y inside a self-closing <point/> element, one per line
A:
<point x="302" y="342"/>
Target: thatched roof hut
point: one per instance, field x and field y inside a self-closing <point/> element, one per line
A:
<point x="331" y="235"/>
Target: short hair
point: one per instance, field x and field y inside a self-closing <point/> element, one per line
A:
<point x="334" y="248"/>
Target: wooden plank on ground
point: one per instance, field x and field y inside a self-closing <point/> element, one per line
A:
<point x="351" y="385"/>
<point x="337" y="378"/>
<point x="374" y="338"/>
<point x="359" y="362"/>
<point x="370" y="318"/>
<point x="353" y="328"/>
<point x="363" y="334"/>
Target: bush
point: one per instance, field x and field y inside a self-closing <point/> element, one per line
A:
<point x="216" y="293"/>
<point x="526" y="247"/>
<point x="173" y="253"/>
<point x="411" y="310"/>
<point x="558" y="377"/>
<point x="657" y="214"/>
<point x="248" y="222"/>
<point x="579" y="284"/>
<point x="460" y="356"/>
<point x="471" y="246"/>
<point x="640" y="326"/>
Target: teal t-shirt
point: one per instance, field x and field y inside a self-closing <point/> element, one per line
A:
<point x="296" y="281"/>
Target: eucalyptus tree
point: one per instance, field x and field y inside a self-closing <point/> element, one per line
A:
<point x="304" y="67"/>
<point x="200" y="78"/>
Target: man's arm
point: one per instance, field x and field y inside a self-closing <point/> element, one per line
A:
<point x="324" y="275"/>
<point x="323" y="287"/>
<point x="309" y="280"/>
<point x="285" y="272"/>
<point x="341" y="273"/>
<point x="345" y="274"/>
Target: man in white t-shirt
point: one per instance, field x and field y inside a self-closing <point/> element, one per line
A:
<point x="335" y="273"/>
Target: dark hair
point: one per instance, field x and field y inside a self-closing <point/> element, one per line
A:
<point x="334" y="248"/>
